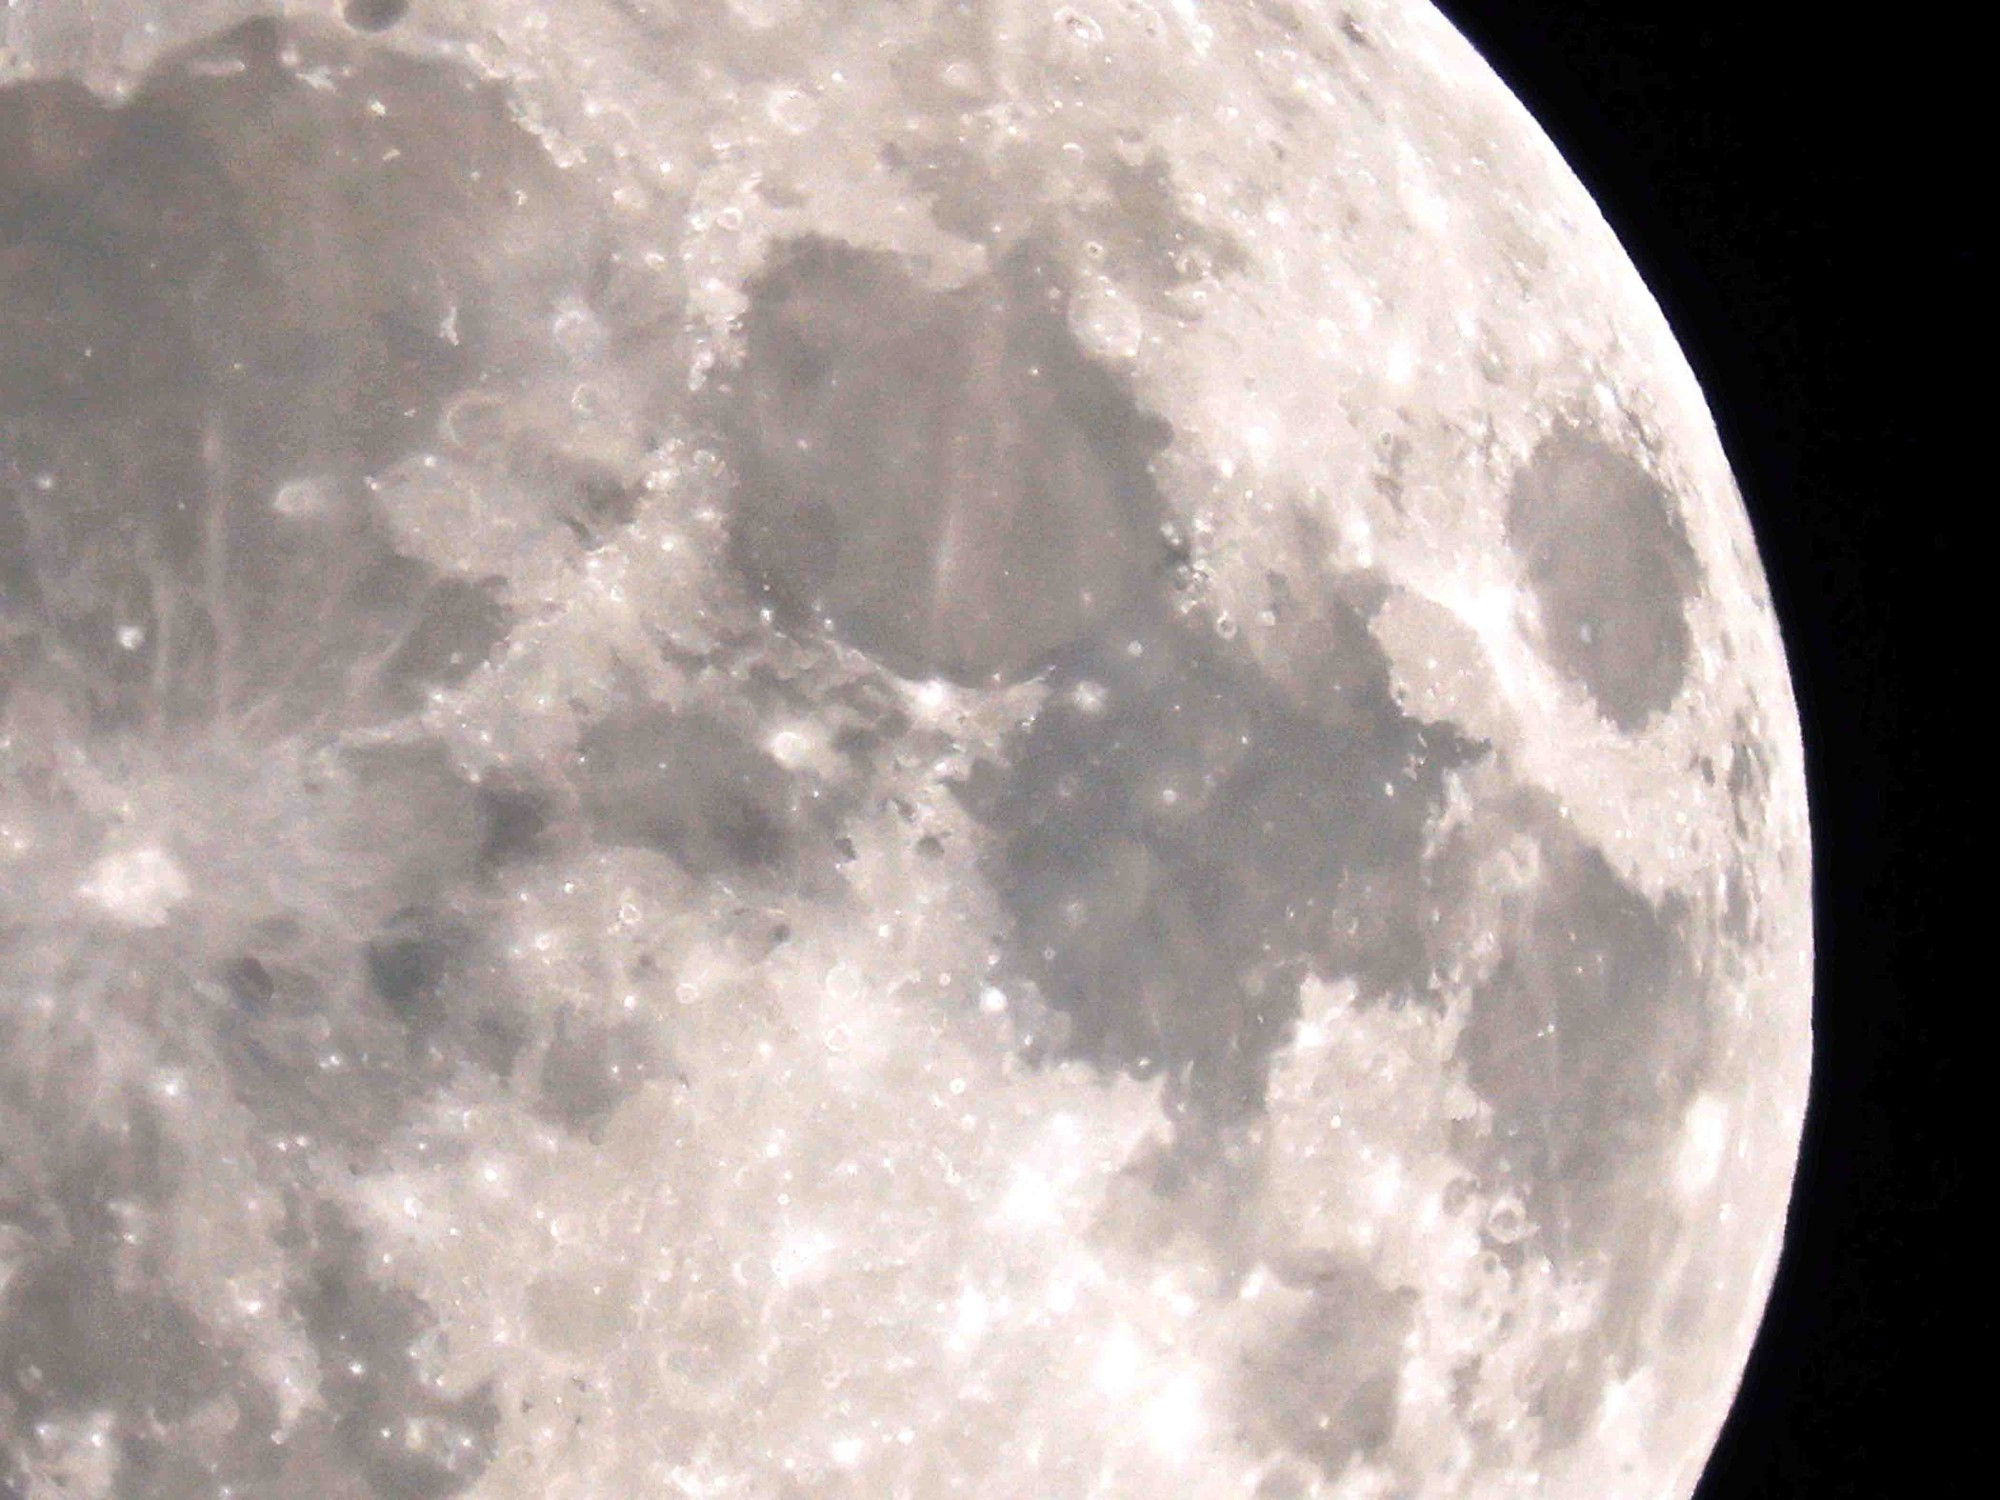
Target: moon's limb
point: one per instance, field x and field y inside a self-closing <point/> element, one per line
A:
<point x="749" y="751"/>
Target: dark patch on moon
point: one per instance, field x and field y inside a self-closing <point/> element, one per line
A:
<point x="225" y="305"/>
<point x="249" y="982"/>
<point x="1178" y="846"/>
<point x="1611" y="567"/>
<point x="190" y="400"/>
<point x="374" y="15"/>
<point x="1587" y="1040"/>
<point x="518" y="820"/>
<point x="453" y="630"/>
<point x="90" y="1325"/>
<point x="1145" y="237"/>
<point x="939" y="478"/>
<point x="591" y="1067"/>
<point x="1588" y="1037"/>
<point x="406" y="964"/>
<point x="1326" y="1386"/>
<point x="77" y="1343"/>
<point x="688" y="786"/>
<point x="410" y="1439"/>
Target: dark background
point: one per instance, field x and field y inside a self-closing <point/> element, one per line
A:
<point x="1796" y="185"/>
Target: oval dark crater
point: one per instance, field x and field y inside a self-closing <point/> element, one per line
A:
<point x="1604" y="552"/>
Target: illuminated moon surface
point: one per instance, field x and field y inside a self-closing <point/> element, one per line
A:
<point x="917" y="750"/>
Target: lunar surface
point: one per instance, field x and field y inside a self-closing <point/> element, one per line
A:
<point x="903" y="750"/>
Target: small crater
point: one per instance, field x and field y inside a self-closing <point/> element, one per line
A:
<point x="374" y="15"/>
<point x="1612" y="570"/>
<point x="249" y="983"/>
<point x="517" y="822"/>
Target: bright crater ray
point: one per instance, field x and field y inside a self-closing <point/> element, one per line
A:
<point x="772" y="751"/>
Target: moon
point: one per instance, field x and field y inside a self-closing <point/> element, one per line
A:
<point x="759" y="750"/>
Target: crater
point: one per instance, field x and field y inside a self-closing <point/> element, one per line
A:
<point x="1604" y="553"/>
<point x="939" y="478"/>
<point x="1748" y="781"/>
<point x="374" y="15"/>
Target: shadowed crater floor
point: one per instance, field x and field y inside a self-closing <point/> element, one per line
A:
<point x="1612" y="570"/>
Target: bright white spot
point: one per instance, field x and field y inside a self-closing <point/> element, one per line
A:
<point x="131" y="637"/>
<point x="1174" y="1419"/>
<point x="1118" y="1362"/>
<point x="790" y="749"/>
<point x="140" y="887"/>
<point x="1108" y="323"/>
<point x="801" y="1256"/>
<point x="1704" y="1133"/>
<point x="1031" y="1201"/>
<point x="847" y="1451"/>
<point x="1427" y="209"/>
<point x="1400" y="367"/>
<point x="1385" y="1186"/>
<point x="974" y="1316"/>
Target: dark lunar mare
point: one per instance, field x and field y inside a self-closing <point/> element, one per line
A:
<point x="216" y="295"/>
<point x="939" y="477"/>
<point x="946" y="481"/>
<point x="1610" y="565"/>
<point x="1180" y="856"/>
<point x="226" y="306"/>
